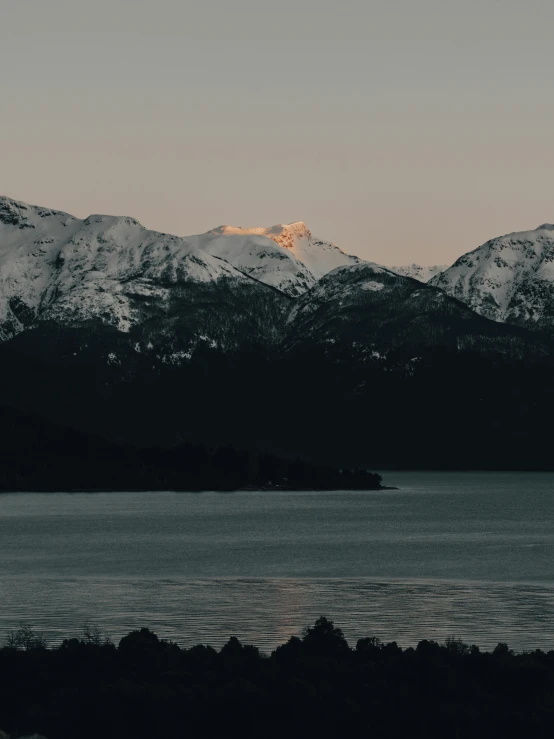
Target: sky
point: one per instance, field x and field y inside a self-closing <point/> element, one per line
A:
<point x="403" y="130"/>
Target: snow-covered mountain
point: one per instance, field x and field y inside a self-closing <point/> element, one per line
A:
<point x="509" y="278"/>
<point x="57" y="267"/>
<point x="420" y="272"/>
<point x="257" y="256"/>
<point x="318" y="256"/>
<point x="54" y="266"/>
<point x="294" y="265"/>
<point x="111" y="269"/>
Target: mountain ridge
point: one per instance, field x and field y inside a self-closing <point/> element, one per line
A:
<point x="420" y="272"/>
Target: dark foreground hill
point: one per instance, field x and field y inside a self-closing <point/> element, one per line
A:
<point x="317" y="686"/>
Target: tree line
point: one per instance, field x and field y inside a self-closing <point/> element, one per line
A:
<point x="315" y="685"/>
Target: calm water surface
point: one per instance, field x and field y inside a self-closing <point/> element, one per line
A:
<point x="469" y="555"/>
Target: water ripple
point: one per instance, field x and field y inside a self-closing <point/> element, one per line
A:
<point x="266" y="611"/>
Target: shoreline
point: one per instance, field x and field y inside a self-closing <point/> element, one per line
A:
<point x="276" y="489"/>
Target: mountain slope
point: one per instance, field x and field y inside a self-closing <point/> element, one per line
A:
<point x="377" y="312"/>
<point x="30" y="242"/>
<point x="509" y="278"/>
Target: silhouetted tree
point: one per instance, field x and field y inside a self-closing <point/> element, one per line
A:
<point x="502" y="650"/>
<point x="26" y="639"/>
<point x="324" y="639"/>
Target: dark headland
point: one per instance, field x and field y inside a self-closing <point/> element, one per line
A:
<point x="38" y="456"/>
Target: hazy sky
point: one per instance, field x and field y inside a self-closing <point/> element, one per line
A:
<point x="404" y="130"/>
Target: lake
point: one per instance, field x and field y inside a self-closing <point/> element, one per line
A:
<point x="469" y="555"/>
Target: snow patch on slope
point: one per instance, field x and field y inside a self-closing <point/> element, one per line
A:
<point x="372" y="285"/>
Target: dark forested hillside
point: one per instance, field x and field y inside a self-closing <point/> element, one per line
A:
<point x="330" y="403"/>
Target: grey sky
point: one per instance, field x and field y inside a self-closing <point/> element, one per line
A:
<point x="403" y="130"/>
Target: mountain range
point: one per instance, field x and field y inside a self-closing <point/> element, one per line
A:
<point x="273" y="339"/>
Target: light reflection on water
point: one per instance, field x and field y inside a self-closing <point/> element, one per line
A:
<point x="266" y="612"/>
<point x="465" y="555"/>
